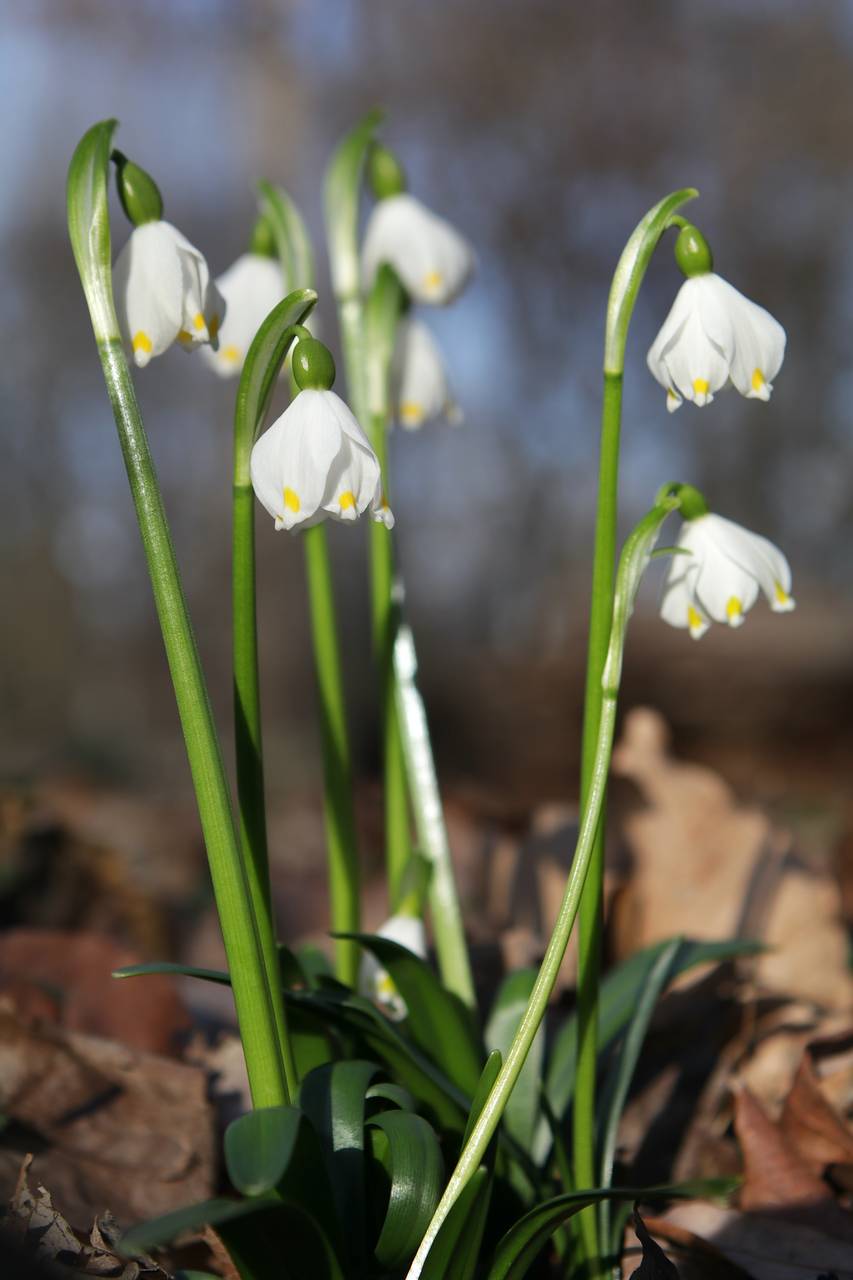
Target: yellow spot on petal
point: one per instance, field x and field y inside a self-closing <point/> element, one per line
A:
<point x="701" y="386"/>
<point x="141" y="342"/>
<point x="346" y="500"/>
<point x="183" y="336"/>
<point x="758" y="379"/>
<point x="694" y="618"/>
<point x="291" y="500"/>
<point x="231" y="353"/>
<point x="385" y="985"/>
<point x="411" y="412"/>
<point x="781" y="594"/>
<point x="433" y="280"/>
<point x="213" y="327"/>
<point x="734" y="609"/>
<point x="198" y="320"/>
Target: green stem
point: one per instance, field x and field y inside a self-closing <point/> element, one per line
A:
<point x="623" y="294"/>
<point x="252" y="996"/>
<point x="635" y="557"/>
<point x="337" y="770"/>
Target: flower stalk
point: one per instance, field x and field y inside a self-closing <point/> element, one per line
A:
<point x="625" y="287"/>
<point x="270" y="1073"/>
<point x="633" y="561"/>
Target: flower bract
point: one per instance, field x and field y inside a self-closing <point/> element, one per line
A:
<point x="376" y="982"/>
<point x="163" y="293"/>
<point x="315" y="462"/>
<point x="432" y="259"/>
<point x="718" y="572"/>
<point x="420" y="388"/>
<point x="714" y="334"/>
<point x="251" y="288"/>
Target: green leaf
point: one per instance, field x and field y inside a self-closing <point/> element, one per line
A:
<point x="522" y="1110"/>
<point x="411" y="1157"/>
<point x="281" y="1244"/>
<point x="456" y="1249"/>
<point x="259" y="1147"/>
<point x="260" y="372"/>
<point x="293" y="244"/>
<point x="89" y="224"/>
<point x="334" y="1099"/>
<point x="488" y="1076"/>
<point x="341" y="199"/>
<point x="518" y="1248"/>
<point x="212" y="1213"/>
<point x="393" y="1093"/>
<point x="622" y="1068"/>
<point x="175" y="970"/>
<point x="438" y="1022"/>
<point x="620" y="991"/>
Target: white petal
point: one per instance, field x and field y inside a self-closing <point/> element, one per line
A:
<point x="757" y="556"/>
<point x="669" y="333"/>
<point x="420" y="388"/>
<point x="759" y="345"/>
<point x="251" y="287"/>
<point x="291" y="462"/>
<point x="695" y="365"/>
<point x="148" y="288"/>
<point x="679" y="606"/>
<point x="431" y="258"/>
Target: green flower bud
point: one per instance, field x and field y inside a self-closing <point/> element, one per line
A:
<point x="263" y="239"/>
<point x="692" y="252"/>
<point x="692" y="502"/>
<point x="386" y="174"/>
<point x="137" y="190"/>
<point x="313" y="366"/>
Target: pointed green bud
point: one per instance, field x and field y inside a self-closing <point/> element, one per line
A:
<point x="139" y="194"/>
<point x="263" y="239"/>
<point x="313" y="366"/>
<point x="692" y="252"/>
<point x="692" y="503"/>
<point x="386" y="174"/>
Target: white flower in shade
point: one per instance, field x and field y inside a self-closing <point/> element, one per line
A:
<point x="376" y="982"/>
<point x="163" y="293"/>
<point x="718" y="573"/>
<point x="251" y="288"/>
<point x="433" y="261"/>
<point x="711" y="335"/>
<point x="420" y="390"/>
<point x="315" y="462"/>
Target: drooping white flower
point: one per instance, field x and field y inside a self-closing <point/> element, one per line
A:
<point x="163" y="293"/>
<point x="315" y="462"/>
<point x="431" y="258"/>
<point x="718" y="573"/>
<point x="251" y="288"/>
<point x="419" y="386"/>
<point x="713" y="334"/>
<point x="376" y="982"/>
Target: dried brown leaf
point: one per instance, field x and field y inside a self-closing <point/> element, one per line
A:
<point x="775" y="1174"/>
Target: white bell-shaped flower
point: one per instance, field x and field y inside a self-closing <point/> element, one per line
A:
<point x="163" y="293"/>
<point x="315" y="462"/>
<point x="718" y="572"/>
<point x="251" y="288"/>
<point x="432" y="259"/>
<point x="711" y="335"/>
<point x="419" y="386"/>
<point x="374" y="981"/>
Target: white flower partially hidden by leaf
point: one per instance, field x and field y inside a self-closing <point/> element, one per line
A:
<point x="374" y="981"/>
<point x="432" y="259"/>
<point x="315" y="462"/>
<point x="713" y="334"/>
<point x="419" y="385"/>
<point x="718" y="573"/>
<point x="163" y="293"/>
<point x="251" y="288"/>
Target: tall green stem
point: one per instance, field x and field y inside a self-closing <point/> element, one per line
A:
<point x="634" y="559"/>
<point x="337" y="770"/>
<point x="89" y="228"/>
<point x="623" y="294"/>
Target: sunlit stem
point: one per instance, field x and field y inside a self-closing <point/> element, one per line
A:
<point x="89" y="229"/>
<point x="623" y="294"/>
<point x="635" y="557"/>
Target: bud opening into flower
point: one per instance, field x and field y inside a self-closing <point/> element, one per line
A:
<point x="138" y="192"/>
<point x="692" y="252"/>
<point x="313" y="365"/>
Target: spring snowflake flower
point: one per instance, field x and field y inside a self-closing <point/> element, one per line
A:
<point x="251" y="288"/>
<point x="376" y="982"/>
<point x="719" y="580"/>
<point x="315" y="462"/>
<point x="420" y="389"/>
<point x="432" y="259"/>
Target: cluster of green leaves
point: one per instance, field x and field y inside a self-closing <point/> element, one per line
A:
<point x="344" y="1183"/>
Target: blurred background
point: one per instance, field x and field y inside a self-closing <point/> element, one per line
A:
<point x="544" y="131"/>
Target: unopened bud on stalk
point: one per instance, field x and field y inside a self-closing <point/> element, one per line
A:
<point x="386" y="175"/>
<point x="138" y="192"/>
<point x="263" y="240"/>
